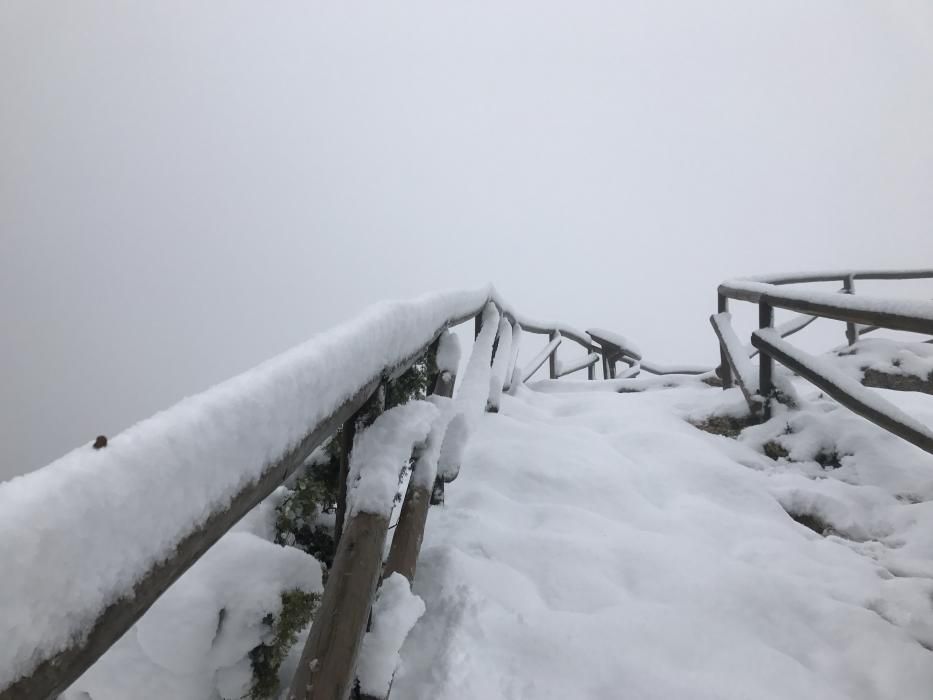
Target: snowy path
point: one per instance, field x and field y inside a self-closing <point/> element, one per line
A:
<point x="598" y="546"/>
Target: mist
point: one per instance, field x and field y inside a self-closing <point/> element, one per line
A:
<point x="187" y="189"/>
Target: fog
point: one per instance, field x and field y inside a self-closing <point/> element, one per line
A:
<point x="187" y="189"/>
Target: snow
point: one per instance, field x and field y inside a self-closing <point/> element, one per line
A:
<point x="827" y="370"/>
<point x="425" y="469"/>
<point x="655" y="368"/>
<point x="194" y="642"/>
<point x="500" y="363"/>
<point x="857" y="302"/>
<point x="576" y="366"/>
<point x="448" y="353"/>
<point x="597" y="545"/>
<point x="379" y="453"/>
<point x="107" y="516"/>
<point x="473" y="390"/>
<point x="736" y="351"/>
<point x="395" y="612"/>
<point x="513" y="371"/>
<point x="887" y="356"/>
<point x="615" y="339"/>
<point x="453" y="446"/>
<point x="540" y="358"/>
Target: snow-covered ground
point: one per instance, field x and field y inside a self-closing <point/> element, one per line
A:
<point x="597" y="545"/>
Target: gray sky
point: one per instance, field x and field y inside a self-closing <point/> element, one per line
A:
<point x="189" y="188"/>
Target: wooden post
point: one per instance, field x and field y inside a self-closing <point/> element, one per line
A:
<point x="364" y="416"/>
<point x="851" y="328"/>
<point x="591" y="369"/>
<point x="725" y="370"/>
<point x="605" y="363"/>
<point x="552" y="360"/>
<point x="765" y="362"/>
<point x="328" y="663"/>
<point x="443" y="387"/>
<point x="477" y="324"/>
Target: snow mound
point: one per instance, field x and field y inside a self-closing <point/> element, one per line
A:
<point x="395" y="612"/>
<point x="597" y="545"/>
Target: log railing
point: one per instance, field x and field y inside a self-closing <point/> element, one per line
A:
<point x="329" y="660"/>
<point x="358" y="561"/>
<point x="861" y="314"/>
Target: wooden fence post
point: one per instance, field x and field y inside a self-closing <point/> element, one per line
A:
<point x="409" y="531"/>
<point x="327" y="665"/>
<point x="366" y="415"/>
<point x="851" y="328"/>
<point x="765" y="362"/>
<point x="552" y="360"/>
<point x="725" y="369"/>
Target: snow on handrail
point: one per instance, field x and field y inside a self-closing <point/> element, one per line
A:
<point x="840" y="276"/>
<point x="896" y="314"/>
<point x="846" y="390"/>
<point x="571" y="367"/>
<point x="737" y="356"/>
<point x="130" y="518"/>
<point x="658" y="369"/>
<point x="540" y="358"/>
<point x="609" y="340"/>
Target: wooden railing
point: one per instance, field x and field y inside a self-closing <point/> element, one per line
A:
<point x="861" y="314"/>
<point x="329" y="659"/>
<point x="330" y="656"/>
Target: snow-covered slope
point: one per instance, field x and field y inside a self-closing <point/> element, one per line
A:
<point x="597" y="545"/>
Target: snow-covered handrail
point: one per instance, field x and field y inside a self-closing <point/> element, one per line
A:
<point x="847" y="391"/>
<point x="160" y="494"/>
<point x="860" y="313"/>
<point x="197" y="468"/>
<point x="539" y="359"/>
<point x="840" y="276"/>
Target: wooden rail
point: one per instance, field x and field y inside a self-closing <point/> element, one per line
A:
<point x="352" y="582"/>
<point x="329" y="661"/>
<point x="860" y="314"/>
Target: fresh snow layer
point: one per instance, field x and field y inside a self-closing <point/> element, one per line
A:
<point x="597" y="545"/>
<point x="194" y="643"/>
<point x="887" y="356"/>
<point x="616" y="339"/>
<point x="500" y="363"/>
<point x="916" y="308"/>
<point x="395" y="612"/>
<point x="79" y="532"/>
<point x="448" y="353"/>
<point x="380" y="452"/>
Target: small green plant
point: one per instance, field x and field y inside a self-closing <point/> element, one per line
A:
<point x="297" y="609"/>
<point x="299" y="523"/>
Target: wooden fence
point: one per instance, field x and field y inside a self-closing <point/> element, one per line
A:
<point x="345" y="607"/>
<point x="860" y="314"/>
<point x="329" y="659"/>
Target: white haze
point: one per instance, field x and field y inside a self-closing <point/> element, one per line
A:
<point x="189" y="188"/>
